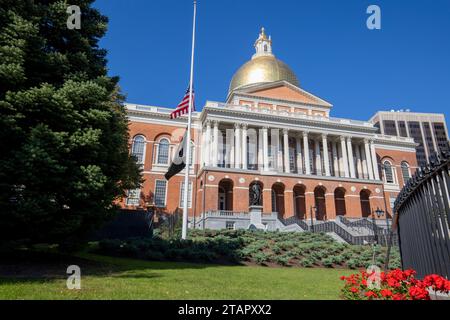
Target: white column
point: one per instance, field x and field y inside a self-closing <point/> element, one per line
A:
<point x="318" y="158"/>
<point x="351" y="161"/>
<point x="260" y="149"/>
<point x="368" y="159"/>
<point x="208" y="143"/>
<point x="215" y="146"/>
<point x="306" y="152"/>
<point x="364" y="162"/>
<point x="230" y="145"/>
<point x="202" y="150"/>
<point x="374" y="160"/>
<point x="237" y="145"/>
<point x="325" y="155"/>
<point x="265" y="149"/>
<point x="299" y="154"/>
<point x="287" y="168"/>
<point x="244" y="147"/>
<point x="335" y="158"/>
<point x="345" y="158"/>
<point x="358" y="162"/>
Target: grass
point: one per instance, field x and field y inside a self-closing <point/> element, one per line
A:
<point x="120" y="278"/>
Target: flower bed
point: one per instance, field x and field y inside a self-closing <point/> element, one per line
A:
<point x="394" y="285"/>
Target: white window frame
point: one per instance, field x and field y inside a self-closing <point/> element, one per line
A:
<point x="144" y="152"/>
<point x="169" y="152"/>
<point x="393" y="169"/>
<point x="134" y="203"/>
<point x="409" y="171"/>
<point x="165" y="193"/>
<point x="189" y="195"/>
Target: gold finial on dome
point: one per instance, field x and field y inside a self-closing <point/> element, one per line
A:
<point x="263" y="67"/>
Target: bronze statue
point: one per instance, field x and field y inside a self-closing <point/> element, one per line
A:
<point x="255" y="195"/>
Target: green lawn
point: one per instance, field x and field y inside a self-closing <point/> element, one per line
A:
<point x="116" y="278"/>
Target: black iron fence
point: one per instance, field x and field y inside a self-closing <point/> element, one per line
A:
<point x="423" y="209"/>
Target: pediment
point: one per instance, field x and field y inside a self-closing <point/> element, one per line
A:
<point x="283" y="90"/>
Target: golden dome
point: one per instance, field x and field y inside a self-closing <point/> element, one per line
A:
<point x="263" y="67"/>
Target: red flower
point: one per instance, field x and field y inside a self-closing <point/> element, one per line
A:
<point x="398" y="296"/>
<point x="342" y="278"/>
<point x="393" y="283"/>
<point x="386" y="293"/>
<point x="371" y="294"/>
<point x="417" y="293"/>
<point x="354" y="289"/>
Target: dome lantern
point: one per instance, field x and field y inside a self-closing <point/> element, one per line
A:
<point x="263" y="45"/>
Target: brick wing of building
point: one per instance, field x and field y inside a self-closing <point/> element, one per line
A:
<point x="272" y="136"/>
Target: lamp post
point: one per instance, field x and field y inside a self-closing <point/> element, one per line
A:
<point x="379" y="214"/>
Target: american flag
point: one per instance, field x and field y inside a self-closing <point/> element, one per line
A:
<point x="183" y="106"/>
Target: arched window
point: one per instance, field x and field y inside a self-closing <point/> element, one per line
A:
<point x="138" y="149"/>
<point x="388" y="172"/>
<point x="364" y="198"/>
<point x="163" y="151"/>
<point x="405" y="172"/>
<point x="339" y="201"/>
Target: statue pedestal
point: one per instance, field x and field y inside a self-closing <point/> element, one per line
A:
<point x="256" y="218"/>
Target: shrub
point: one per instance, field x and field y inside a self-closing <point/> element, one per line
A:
<point x="354" y="263"/>
<point x="282" y="260"/>
<point x="153" y="255"/>
<point x="307" y="263"/>
<point x="261" y="258"/>
<point x="328" y="262"/>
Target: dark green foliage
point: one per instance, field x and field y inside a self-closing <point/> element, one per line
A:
<point x="64" y="157"/>
<point x="234" y="246"/>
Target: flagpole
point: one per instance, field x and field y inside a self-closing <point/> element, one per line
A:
<point x="188" y="136"/>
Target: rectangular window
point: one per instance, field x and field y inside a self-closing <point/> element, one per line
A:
<point x="133" y="197"/>
<point x="390" y="128"/>
<point x="402" y="128"/>
<point x="189" y="195"/>
<point x="230" y="225"/>
<point x="160" y="193"/>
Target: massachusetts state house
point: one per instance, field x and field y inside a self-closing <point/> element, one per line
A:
<point x="273" y="133"/>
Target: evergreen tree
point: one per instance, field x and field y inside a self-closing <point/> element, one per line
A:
<point x="64" y="159"/>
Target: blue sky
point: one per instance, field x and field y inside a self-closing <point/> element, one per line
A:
<point x="405" y="65"/>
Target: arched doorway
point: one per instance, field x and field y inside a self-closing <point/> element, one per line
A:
<point x="364" y="197"/>
<point x="319" y="197"/>
<point x="225" y="197"/>
<point x="251" y="192"/>
<point x="299" y="201"/>
<point x="339" y="202"/>
<point x="278" y="198"/>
